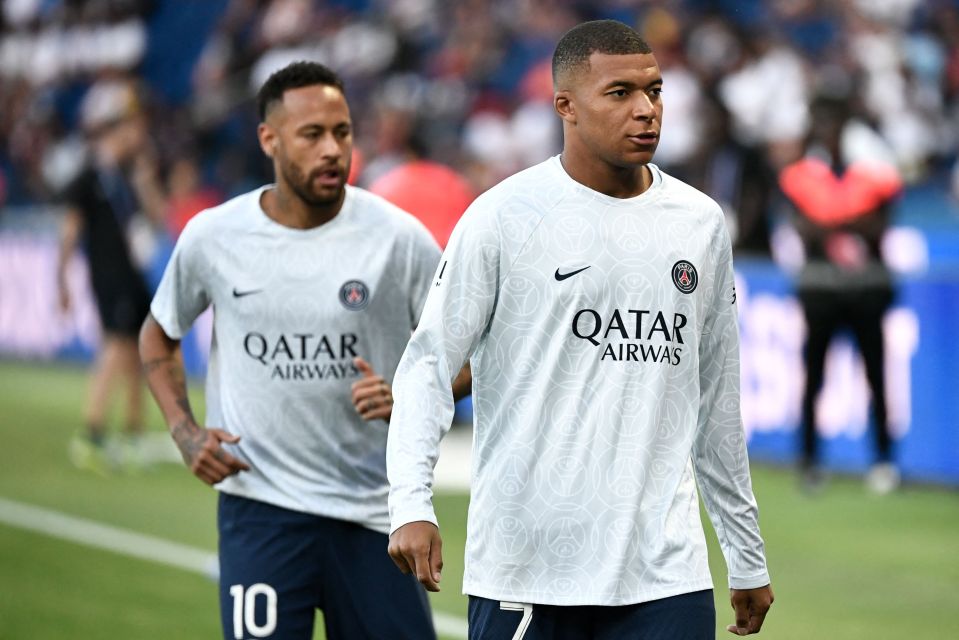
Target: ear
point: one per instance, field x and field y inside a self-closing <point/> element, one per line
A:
<point x="268" y="139"/>
<point x="563" y="103"/>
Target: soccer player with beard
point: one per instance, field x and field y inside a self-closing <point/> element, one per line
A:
<point x="594" y="296"/>
<point x="314" y="284"/>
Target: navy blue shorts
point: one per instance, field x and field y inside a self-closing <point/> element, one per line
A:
<point x="691" y="616"/>
<point x="278" y="566"/>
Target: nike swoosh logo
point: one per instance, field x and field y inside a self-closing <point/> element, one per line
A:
<point x="240" y="294"/>
<point x="562" y="276"/>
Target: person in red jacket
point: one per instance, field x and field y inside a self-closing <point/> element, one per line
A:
<point x="842" y="189"/>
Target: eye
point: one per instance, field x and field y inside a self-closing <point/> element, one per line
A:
<point x="619" y="93"/>
<point x="656" y="92"/>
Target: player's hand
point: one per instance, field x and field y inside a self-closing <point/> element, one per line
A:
<point x="750" y="606"/>
<point x="417" y="548"/>
<point x="372" y="396"/>
<point x="203" y="454"/>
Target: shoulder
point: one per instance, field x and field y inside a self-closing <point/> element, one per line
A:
<point x="223" y="220"/>
<point x="534" y="186"/>
<point x="690" y="198"/>
<point x="523" y="197"/>
<point x="234" y="213"/>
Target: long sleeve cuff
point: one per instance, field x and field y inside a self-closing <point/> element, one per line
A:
<point x="407" y="516"/>
<point x="749" y="582"/>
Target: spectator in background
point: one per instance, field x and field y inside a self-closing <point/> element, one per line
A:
<point x="736" y="175"/>
<point x="187" y="194"/>
<point x="465" y="68"/>
<point x="105" y="204"/>
<point x="842" y="191"/>
<point x="431" y="191"/>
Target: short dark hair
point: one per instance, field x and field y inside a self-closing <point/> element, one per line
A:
<point x="599" y="36"/>
<point x="293" y="76"/>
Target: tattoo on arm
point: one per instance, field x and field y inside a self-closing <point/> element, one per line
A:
<point x="189" y="439"/>
<point x="184" y="403"/>
<point x="152" y="365"/>
<point x="173" y="368"/>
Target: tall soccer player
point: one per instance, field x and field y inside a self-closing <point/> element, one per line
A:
<point x="594" y="296"/>
<point x="313" y="284"/>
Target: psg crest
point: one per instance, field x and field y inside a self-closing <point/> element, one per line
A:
<point x="354" y="295"/>
<point x="685" y="277"/>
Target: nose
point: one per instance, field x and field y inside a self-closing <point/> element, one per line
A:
<point x="643" y="108"/>
<point x="329" y="147"/>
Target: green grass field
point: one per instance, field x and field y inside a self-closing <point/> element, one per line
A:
<point x="846" y="565"/>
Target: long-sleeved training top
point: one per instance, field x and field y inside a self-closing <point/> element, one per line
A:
<point x="603" y="340"/>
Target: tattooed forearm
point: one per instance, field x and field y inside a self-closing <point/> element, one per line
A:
<point x="178" y="375"/>
<point x="168" y="371"/>
<point x="189" y="439"/>
<point x="152" y="365"/>
<point x="184" y="403"/>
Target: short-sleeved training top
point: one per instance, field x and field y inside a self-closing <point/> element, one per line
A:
<point x="292" y="308"/>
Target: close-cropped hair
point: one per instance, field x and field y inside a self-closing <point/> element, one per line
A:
<point x="294" y="76"/>
<point x="599" y="36"/>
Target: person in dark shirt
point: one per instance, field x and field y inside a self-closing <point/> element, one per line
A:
<point x="842" y="190"/>
<point x="118" y="184"/>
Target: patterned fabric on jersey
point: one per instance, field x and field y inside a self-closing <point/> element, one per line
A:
<point x="603" y="340"/>
<point x="292" y="308"/>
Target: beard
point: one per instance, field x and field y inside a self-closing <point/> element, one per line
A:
<point x="302" y="186"/>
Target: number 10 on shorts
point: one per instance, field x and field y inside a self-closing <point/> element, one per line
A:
<point x="244" y="610"/>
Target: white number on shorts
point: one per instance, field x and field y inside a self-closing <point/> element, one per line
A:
<point x="244" y="610"/>
<point x="526" y="609"/>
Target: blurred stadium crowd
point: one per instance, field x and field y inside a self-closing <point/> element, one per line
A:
<point x="467" y="84"/>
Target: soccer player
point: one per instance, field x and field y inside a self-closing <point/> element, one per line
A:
<point x="314" y="284"/>
<point x="595" y="297"/>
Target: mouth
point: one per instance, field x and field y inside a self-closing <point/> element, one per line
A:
<point x="328" y="177"/>
<point x="644" y="139"/>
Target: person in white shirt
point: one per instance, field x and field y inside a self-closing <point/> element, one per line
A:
<point x="594" y="298"/>
<point x="314" y="286"/>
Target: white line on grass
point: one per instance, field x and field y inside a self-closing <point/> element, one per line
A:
<point x="145" y="547"/>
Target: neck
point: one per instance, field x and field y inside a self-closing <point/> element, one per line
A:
<point x="284" y="207"/>
<point x="608" y="179"/>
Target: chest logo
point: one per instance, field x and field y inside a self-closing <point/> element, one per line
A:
<point x="562" y="276"/>
<point x="685" y="277"/>
<point x="355" y="295"/>
<point x="241" y="294"/>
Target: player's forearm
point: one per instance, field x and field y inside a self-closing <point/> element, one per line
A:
<point x="721" y="461"/>
<point x="421" y="417"/>
<point x="163" y="369"/>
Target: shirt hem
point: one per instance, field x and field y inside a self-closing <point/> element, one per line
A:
<point x="380" y="527"/>
<point x="583" y="600"/>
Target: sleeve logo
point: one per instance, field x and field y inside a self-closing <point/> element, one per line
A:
<point x="685" y="277"/>
<point x="439" y="278"/>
